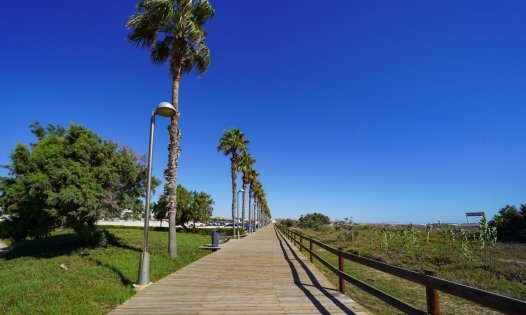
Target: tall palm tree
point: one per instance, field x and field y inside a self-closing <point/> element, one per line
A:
<point x="174" y="32"/>
<point x="233" y="143"/>
<point x="259" y="194"/>
<point x="252" y="178"/>
<point x="245" y="166"/>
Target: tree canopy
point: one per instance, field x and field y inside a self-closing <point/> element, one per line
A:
<point x="511" y="224"/>
<point x="70" y="178"/>
<point x="192" y="206"/>
<point x="314" y="221"/>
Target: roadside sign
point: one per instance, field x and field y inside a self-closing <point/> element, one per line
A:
<point x="474" y="214"/>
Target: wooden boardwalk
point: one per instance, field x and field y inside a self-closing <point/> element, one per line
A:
<point x="260" y="274"/>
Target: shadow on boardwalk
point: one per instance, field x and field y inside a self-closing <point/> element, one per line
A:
<point x="260" y="274"/>
<point x="315" y="283"/>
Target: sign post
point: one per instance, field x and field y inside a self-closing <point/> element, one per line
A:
<point x="474" y="214"/>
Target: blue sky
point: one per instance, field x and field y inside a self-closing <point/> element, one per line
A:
<point x="406" y="111"/>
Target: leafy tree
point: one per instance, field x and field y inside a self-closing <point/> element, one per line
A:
<point x="313" y="221"/>
<point x="69" y="178"/>
<point x="192" y="206"/>
<point x="288" y="223"/>
<point x="511" y="224"/>
<point x="201" y="207"/>
<point x="233" y="143"/>
<point x="174" y="32"/>
<point x="245" y="166"/>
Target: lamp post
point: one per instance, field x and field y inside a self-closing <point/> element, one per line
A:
<point x="237" y="219"/>
<point x="249" y="211"/>
<point x="254" y="206"/>
<point x="164" y="109"/>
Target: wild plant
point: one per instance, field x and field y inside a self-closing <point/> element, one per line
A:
<point x="464" y="245"/>
<point x="385" y="240"/>
<point x="410" y="241"/>
<point x="345" y="229"/>
<point x="447" y="233"/>
<point x="429" y="227"/>
<point x="487" y="236"/>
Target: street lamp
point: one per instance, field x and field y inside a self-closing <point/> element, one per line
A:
<point x="254" y="214"/>
<point x="164" y="109"/>
<point x="237" y="219"/>
<point x="249" y="212"/>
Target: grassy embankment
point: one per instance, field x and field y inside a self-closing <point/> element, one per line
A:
<point x="454" y="254"/>
<point x="97" y="279"/>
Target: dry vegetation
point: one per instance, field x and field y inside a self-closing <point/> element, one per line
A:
<point x="460" y="255"/>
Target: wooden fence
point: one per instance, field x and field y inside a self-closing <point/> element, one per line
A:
<point x="428" y="279"/>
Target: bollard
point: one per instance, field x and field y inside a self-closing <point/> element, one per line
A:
<point x="215" y="238"/>
<point x="433" y="302"/>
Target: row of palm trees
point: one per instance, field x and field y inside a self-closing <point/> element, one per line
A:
<point x="234" y="144"/>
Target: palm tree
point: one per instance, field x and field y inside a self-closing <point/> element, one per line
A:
<point x="245" y="166"/>
<point x="252" y="178"/>
<point x="174" y="31"/>
<point x="259" y="194"/>
<point x="233" y="143"/>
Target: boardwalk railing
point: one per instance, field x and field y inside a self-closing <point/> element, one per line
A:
<point x="427" y="279"/>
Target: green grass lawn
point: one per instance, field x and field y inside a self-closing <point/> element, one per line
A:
<point x="97" y="279"/>
<point x="502" y="271"/>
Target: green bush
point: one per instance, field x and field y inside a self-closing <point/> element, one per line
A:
<point x="314" y="221"/>
<point x="288" y="223"/>
<point x="3" y="229"/>
<point x="69" y="179"/>
<point x="511" y="224"/>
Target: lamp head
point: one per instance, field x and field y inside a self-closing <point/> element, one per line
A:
<point x="165" y="109"/>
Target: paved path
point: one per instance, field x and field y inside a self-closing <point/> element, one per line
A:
<point x="260" y="274"/>
<point x="4" y="248"/>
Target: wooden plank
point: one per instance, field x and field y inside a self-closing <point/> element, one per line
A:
<point x="260" y="274"/>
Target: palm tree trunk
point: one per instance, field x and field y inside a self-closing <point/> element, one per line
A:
<point x="249" y="211"/>
<point x="234" y="187"/>
<point x="243" y="207"/>
<point x="171" y="171"/>
<point x="259" y="214"/>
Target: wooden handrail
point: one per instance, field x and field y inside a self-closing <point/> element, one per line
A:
<point x="430" y="281"/>
<point x="404" y="307"/>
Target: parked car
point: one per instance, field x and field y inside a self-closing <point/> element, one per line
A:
<point x="196" y="224"/>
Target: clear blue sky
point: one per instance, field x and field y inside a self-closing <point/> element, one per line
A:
<point x="406" y="111"/>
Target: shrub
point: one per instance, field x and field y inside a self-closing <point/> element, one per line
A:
<point x="288" y="223"/>
<point x="314" y="221"/>
<point x="511" y="224"/>
<point x="69" y="179"/>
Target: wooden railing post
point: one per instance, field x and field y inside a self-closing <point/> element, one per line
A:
<point x="310" y="247"/>
<point x="433" y="302"/>
<point x="301" y="242"/>
<point x="341" y="267"/>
